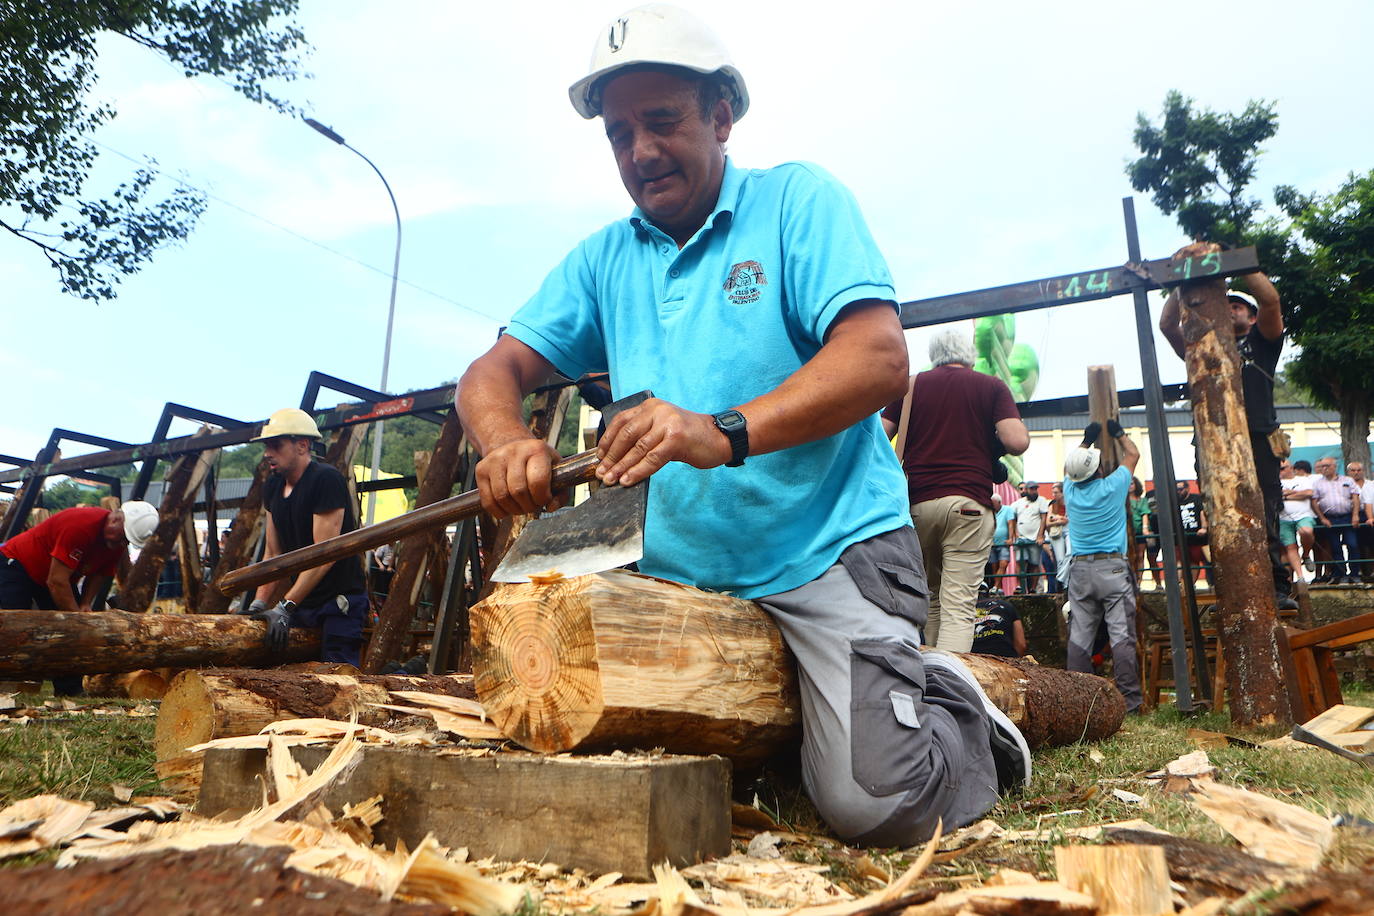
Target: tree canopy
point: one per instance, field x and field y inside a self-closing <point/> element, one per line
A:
<point x="48" y="57"/>
<point x="1319" y="250"/>
<point x="1196" y="164"/>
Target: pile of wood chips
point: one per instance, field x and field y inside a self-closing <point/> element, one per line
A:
<point x="1141" y="869"/>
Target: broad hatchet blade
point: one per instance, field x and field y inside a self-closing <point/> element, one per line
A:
<point x="603" y="532"/>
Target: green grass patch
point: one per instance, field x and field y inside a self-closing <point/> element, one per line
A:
<point x="77" y="754"/>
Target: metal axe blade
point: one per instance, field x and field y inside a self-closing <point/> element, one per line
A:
<point x="605" y="531"/>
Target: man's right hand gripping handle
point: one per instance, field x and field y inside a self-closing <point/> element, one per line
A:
<point x="517" y="478"/>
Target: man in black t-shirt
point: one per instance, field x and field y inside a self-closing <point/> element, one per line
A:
<point x="997" y="628"/>
<point x="308" y="502"/>
<point x="1257" y="320"/>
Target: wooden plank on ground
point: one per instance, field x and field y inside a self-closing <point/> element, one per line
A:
<point x="597" y="813"/>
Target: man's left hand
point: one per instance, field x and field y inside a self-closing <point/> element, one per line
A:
<point x="1091" y="432"/>
<point x="640" y="441"/>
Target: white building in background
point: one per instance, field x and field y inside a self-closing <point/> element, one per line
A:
<point x="1053" y="436"/>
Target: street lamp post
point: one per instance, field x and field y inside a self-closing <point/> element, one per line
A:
<point x="390" y="312"/>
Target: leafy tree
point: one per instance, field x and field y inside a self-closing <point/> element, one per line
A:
<point x="1321" y="259"/>
<point x="67" y="493"/>
<point x="1328" y="268"/>
<point x="1192" y="157"/>
<point x="47" y="118"/>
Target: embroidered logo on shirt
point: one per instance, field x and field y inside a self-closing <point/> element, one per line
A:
<point x="743" y="284"/>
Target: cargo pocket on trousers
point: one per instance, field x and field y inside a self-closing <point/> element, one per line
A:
<point x="887" y="715"/>
<point x="888" y="572"/>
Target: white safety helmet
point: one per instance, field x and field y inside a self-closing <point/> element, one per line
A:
<point x="657" y="33"/>
<point x="1082" y="463"/>
<point x="140" y="521"/>
<point x="289" y="421"/>
<point x="1248" y="299"/>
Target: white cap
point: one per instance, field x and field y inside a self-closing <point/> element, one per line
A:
<point x="1243" y="297"/>
<point x="289" y="421"/>
<point x="1082" y="463"/>
<point x="140" y="521"/>
<point x="657" y="33"/>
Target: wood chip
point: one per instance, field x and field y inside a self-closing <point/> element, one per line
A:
<point x="1266" y="827"/>
<point x="1124" y="880"/>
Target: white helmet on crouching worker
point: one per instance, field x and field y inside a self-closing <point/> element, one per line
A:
<point x="1082" y="463"/>
<point x="658" y="33"/>
<point x="289" y="421"/>
<point x="140" y="521"/>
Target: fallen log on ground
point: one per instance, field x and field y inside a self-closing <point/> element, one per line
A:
<point x="227" y="703"/>
<point x="143" y="684"/>
<point x="619" y="659"/>
<point x="40" y="644"/>
<point x="227" y="880"/>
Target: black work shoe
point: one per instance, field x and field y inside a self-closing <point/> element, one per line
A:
<point x="1010" y="752"/>
<point x="1285" y="603"/>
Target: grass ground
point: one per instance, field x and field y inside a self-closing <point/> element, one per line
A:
<point x="80" y="756"/>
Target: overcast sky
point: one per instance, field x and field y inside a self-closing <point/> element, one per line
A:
<point x="986" y="143"/>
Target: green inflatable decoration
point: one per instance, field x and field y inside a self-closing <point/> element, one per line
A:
<point x="1000" y="356"/>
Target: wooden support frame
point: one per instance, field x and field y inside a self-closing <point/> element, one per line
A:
<point x="1313" y="685"/>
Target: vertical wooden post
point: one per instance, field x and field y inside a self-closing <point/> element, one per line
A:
<point x="1103" y="406"/>
<point x="188" y="552"/>
<point x="247" y="528"/>
<point x="399" y="609"/>
<point x="177" y="499"/>
<point x="340" y="454"/>
<point x="1245" y="612"/>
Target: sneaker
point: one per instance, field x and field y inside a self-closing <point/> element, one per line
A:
<point x="1009" y="749"/>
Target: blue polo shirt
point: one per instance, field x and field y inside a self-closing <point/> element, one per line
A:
<point x="727" y="318"/>
<point x="1097" y="512"/>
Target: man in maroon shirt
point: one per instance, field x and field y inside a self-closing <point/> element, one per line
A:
<point x="82" y="546"/>
<point x="959" y="422"/>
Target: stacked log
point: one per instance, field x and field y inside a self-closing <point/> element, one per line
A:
<point x="40" y="644"/>
<point x="225" y="703"/>
<point x="143" y="684"/>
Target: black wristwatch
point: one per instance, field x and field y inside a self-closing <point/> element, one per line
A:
<point x="732" y="423"/>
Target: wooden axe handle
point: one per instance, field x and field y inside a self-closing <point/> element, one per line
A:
<point x="577" y="469"/>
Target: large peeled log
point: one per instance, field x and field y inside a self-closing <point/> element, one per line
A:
<point x="621" y="660"/>
<point x="40" y="644"/>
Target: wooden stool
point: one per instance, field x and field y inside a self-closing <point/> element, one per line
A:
<point x="1159" y="672"/>
<point x="1313" y="686"/>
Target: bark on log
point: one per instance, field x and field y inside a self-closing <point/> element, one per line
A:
<point x="619" y="659"/>
<point x="214" y="881"/>
<point x="40" y="644"/>
<point x="226" y="703"/>
<point x="389" y="636"/>
<point x="179" y="496"/>
<point x="1103" y="406"/>
<point x="1246" y="615"/>
<point x="248" y="525"/>
<point x="143" y="684"/>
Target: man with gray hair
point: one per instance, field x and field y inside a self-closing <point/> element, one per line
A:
<point x="958" y="423"/>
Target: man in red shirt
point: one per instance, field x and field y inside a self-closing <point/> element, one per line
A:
<point x="64" y="562"/>
<point x="960" y="422"/>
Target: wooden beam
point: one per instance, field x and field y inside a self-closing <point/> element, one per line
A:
<point x="247" y="530"/>
<point x="1245" y="612"/>
<point x="186" y="476"/>
<point x="388" y="637"/>
<point x="1102" y="406"/>
<point x="603" y="815"/>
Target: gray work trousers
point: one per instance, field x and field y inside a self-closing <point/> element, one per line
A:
<point x="1103" y="588"/>
<point x="889" y="746"/>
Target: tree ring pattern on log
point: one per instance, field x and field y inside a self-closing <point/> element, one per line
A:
<point x="535" y="671"/>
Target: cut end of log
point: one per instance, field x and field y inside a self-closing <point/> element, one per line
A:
<point x="186" y="718"/>
<point x="538" y="669"/>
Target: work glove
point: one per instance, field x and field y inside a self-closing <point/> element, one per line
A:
<point x="1091" y="432"/>
<point x="278" y="625"/>
<point x="257" y="607"/>
<point x="1114" y="429"/>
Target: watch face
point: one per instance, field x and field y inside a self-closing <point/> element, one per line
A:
<point x="730" y="420"/>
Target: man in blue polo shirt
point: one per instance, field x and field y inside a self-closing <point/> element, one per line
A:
<point x="1101" y="585"/>
<point x="756" y="307"/>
